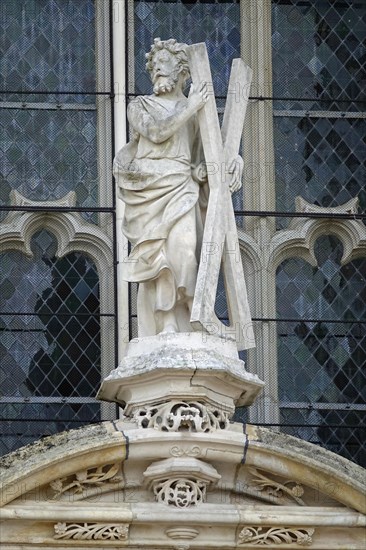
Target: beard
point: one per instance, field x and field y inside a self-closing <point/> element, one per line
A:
<point x="168" y="85"/>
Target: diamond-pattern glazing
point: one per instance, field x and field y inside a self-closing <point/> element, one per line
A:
<point x="50" y="328"/>
<point x="45" y="154"/>
<point x="322" y="361"/>
<point x="318" y="52"/>
<point x="51" y="331"/>
<point x="48" y="45"/>
<point x="321" y="159"/>
<point x="216" y="23"/>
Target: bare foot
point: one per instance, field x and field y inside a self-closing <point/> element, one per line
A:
<point x="169" y="328"/>
<point x="169" y="322"/>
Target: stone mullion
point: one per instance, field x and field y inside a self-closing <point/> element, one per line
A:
<point x="103" y="104"/>
<point x="107" y="336"/>
<point x="105" y="187"/>
<point x="119" y="74"/>
<point x="259" y="194"/>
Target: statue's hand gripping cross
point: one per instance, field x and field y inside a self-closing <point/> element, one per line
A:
<point x="220" y="244"/>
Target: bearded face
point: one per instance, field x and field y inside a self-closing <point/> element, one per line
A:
<point x="165" y="72"/>
<point x="167" y="85"/>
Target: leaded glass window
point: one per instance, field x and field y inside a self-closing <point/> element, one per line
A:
<point x="321" y="356"/>
<point x="318" y="63"/>
<point x="47" y="153"/>
<point x="55" y="103"/>
<point x="48" y="107"/>
<point x="319" y="128"/>
<point x="50" y="339"/>
<point x="48" y="45"/>
<point x="215" y="23"/>
<point x="318" y="52"/>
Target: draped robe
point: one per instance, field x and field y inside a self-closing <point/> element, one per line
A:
<point x="162" y="218"/>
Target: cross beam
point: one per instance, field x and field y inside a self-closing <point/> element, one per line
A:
<point x="220" y="245"/>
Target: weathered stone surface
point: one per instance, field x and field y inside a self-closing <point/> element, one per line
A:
<point x="322" y="469"/>
<point x="175" y="471"/>
<point x="244" y="495"/>
<point x="170" y="195"/>
<point x="59" y="455"/>
<point x="31" y="454"/>
<point x="181" y="366"/>
<point x="159" y="174"/>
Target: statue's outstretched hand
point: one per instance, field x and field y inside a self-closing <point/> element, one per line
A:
<point x="197" y="98"/>
<point x="236" y="173"/>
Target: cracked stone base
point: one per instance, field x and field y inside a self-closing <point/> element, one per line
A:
<point x="184" y="367"/>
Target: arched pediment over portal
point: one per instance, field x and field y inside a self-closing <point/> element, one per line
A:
<point x="113" y="485"/>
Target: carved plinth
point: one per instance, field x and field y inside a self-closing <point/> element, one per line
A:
<point x="199" y="374"/>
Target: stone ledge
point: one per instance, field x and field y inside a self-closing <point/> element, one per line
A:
<point x="181" y="366"/>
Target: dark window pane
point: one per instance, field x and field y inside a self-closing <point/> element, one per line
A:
<point x="50" y="340"/>
<point x="342" y="432"/>
<point x="318" y="51"/>
<point x="321" y="159"/>
<point x="49" y="153"/>
<point x="48" y="45"/>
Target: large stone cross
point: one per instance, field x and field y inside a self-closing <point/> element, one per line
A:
<point x="220" y="246"/>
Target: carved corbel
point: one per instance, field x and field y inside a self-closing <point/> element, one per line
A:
<point x="182" y="535"/>
<point x="180" y="482"/>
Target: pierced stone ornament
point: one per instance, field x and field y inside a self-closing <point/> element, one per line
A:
<point x="181" y="416"/>
<point x="276" y="490"/>
<point x="180" y="492"/>
<point x="83" y="480"/>
<point x="91" y="531"/>
<point x="259" y="536"/>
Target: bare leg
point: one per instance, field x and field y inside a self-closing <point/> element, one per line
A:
<point x="145" y="309"/>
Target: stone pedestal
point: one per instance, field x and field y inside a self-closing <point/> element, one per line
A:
<point x="186" y="380"/>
